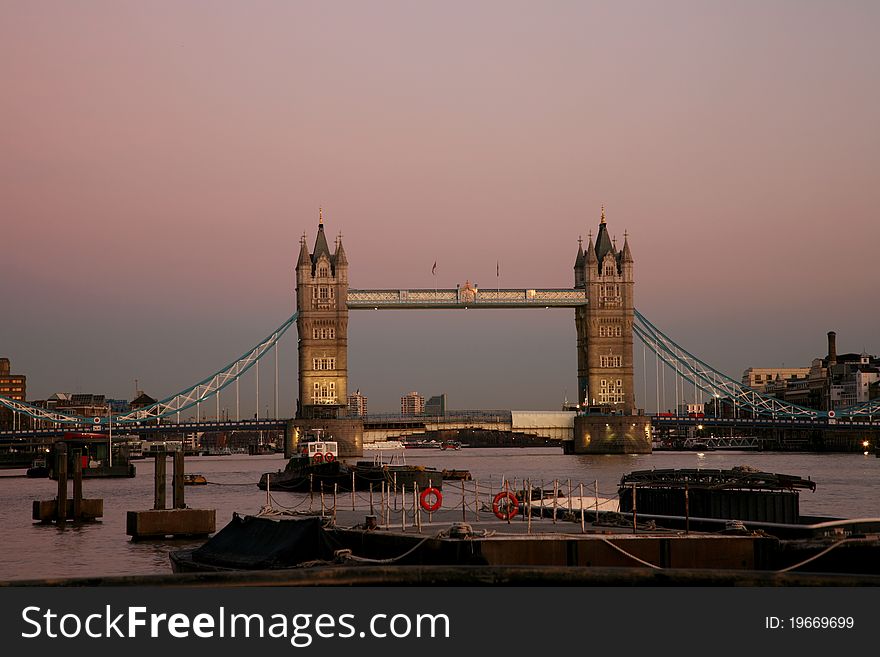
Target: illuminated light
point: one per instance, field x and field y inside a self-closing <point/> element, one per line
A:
<point x="865" y="443"/>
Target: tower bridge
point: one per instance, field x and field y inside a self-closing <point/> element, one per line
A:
<point x="606" y="321"/>
<point x="602" y="299"/>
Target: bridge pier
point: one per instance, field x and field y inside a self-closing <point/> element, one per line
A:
<point x="612" y="434"/>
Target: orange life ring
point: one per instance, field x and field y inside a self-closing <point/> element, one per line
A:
<point x="510" y="503"/>
<point x="430" y="507"/>
<point x="328" y="457"/>
<point x="318" y="457"/>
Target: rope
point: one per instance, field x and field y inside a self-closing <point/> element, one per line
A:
<point x="346" y="554"/>
<point x="631" y="556"/>
<point x="822" y="553"/>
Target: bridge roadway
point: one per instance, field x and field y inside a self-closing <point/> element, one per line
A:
<point x="548" y="424"/>
<point x="557" y="425"/>
<point x="661" y="421"/>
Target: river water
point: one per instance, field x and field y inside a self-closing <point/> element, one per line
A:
<point x="846" y="488"/>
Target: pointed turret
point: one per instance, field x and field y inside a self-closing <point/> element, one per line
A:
<point x="304" y="257"/>
<point x="627" y="254"/>
<point x="590" y="255"/>
<point x="340" y="258"/>
<point x="579" y="265"/>
<point x="579" y="260"/>
<point x="320" y="241"/>
<point x="603" y="241"/>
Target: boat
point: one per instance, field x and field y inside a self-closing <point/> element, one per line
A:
<point x="316" y="466"/>
<point x="38" y="469"/>
<point x="741" y="499"/>
<point x="194" y="480"/>
<point x="450" y="444"/>
<point x="421" y="444"/>
<point x="456" y="475"/>
<point x="383" y="445"/>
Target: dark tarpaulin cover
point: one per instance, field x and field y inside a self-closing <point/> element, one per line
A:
<point x="253" y="542"/>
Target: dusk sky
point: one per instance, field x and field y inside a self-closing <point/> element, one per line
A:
<point x="160" y="160"/>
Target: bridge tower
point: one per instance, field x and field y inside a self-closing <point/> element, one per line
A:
<point x="604" y="325"/>
<point x="322" y="323"/>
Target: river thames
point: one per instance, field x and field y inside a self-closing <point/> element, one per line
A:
<point x="846" y="488"/>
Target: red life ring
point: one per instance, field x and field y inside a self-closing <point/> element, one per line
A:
<point x="328" y="457"/>
<point x="430" y="507"/>
<point x="510" y="503"/>
<point x="318" y="457"/>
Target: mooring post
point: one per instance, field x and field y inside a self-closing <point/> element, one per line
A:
<point x="583" y="525"/>
<point x="555" y="498"/>
<point x="476" y="501"/>
<point x="77" y="484"/>
<point x="416" y="505"/>
<point x="634" y="507"/>
<point x="687" y="511"/>
<point x="61" y="470"/>
<point x="159" y="481"/>
<point x="371" y="498"/>
<point x="542" y="489"/>
<point x="335" y="498"/>
<point x="463" y="504"/>
<point x="596" y="491"/>
<point x="177" y="480"/>
<point x="430" y="513"/>
<point x="569" y="499"/>
<point x="529" y="502"/>
<point x="322" y="499"/>
<point x="352" y="490"/>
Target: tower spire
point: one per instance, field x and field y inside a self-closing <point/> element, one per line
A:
<point x="602" y="221"/>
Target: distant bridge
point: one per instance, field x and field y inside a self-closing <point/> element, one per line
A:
<point x="555" y="425"/>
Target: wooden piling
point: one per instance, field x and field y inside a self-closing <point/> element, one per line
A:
<point x="61" y="470"/>
<point x="159" y="482"/>
<point x="371" y="499"/>
<point x="177" y="480"/>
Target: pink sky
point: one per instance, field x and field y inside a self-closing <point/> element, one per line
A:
<point x="160" y="160"/>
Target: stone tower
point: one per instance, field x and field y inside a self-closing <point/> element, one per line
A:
<point x="604" y="325"/>
<point x="322" y="323"/>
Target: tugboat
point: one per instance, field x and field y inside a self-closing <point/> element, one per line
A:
<point x="317" y="465"/>
<point x="38" y="469"/>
